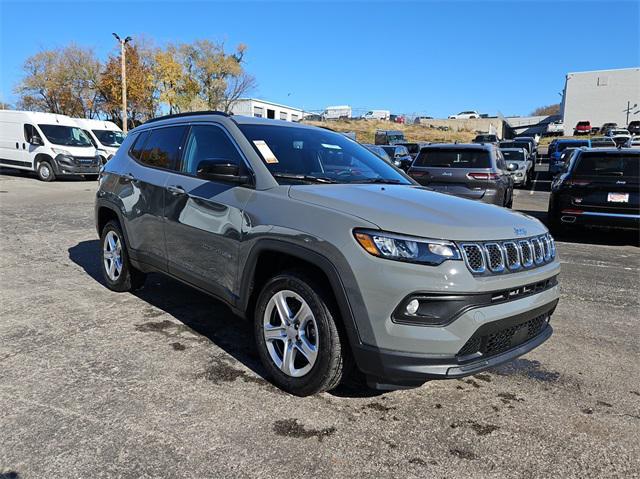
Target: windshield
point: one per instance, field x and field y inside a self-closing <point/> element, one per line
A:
<point x="65" y="135"/>
<point x="308" y="155"/>
<point x="572" y="144"/>
<point x="596" y="164"/>
<point x="109" y="137"/>
<point x="453" y="158"/>
<point x="513" y="155"/>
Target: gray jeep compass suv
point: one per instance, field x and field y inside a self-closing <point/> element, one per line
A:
<point x="337" y="257"/>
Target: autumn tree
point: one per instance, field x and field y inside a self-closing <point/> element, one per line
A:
<point x="141" y="98"/>
<point x="61" y="81"/>
<point x="547" y="110"/>
<point x="177" y="89"/>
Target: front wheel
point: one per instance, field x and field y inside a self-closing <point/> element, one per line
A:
<point x="45" y="171"/>
<point x="297" y="335"/>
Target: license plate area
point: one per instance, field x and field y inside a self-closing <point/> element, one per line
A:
<point x="618" y="197"/>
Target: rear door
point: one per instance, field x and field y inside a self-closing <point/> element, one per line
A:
<point x="606" y="182"/>
<point x="203" y="218"/>
<point x="156" y="153"/>
<point x="460" y="172"/>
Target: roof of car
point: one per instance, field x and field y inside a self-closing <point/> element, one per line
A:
<point x="471" y="146"/>
<point x="613" y="151"/>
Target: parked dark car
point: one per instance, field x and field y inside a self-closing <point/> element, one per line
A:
<point x="604" y="129"/>
<point x="389" y="137"/>
<point x="486" y="138"/>
<point x="378" y="150"/>
<point x="399" y="155"/>
<point x="602" y="142"/>
<point x="414" y="148"/>
<point x="634" y="127"/>
<point x="582" y="128"/>
<point x="473" y="171"/>
<point x="599" y="187"/>
<point x="555" y="164"/>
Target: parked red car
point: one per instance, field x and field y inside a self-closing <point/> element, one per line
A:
<point x="582" y="128"/>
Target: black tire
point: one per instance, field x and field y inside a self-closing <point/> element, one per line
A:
<point x="509" y="203"/>
<point x="332" y="350"/>
<point x="129" y="279"/>
<point x="45" y="171"/>
<point x="91" y="177"/>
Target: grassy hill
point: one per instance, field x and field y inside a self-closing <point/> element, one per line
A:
<point x="365" y="131"/>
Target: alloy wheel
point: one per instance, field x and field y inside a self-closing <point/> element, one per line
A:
<point x="291" y="333"/>
<point x="112" y="255"/>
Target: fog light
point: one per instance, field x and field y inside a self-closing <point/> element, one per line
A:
<point x="412" y="307"/>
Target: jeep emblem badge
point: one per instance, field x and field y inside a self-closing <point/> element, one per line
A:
<point x="520" y="231"/>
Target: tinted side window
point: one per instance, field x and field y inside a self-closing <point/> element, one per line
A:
<point x="138" y="145"/>
<point x="162" y="149"/>
<point x="208" y="142"/>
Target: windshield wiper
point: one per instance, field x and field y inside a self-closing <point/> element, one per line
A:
<point x="308" y="178"/>
<point x="390" y="181"/>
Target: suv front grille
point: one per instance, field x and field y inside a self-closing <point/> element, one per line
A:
<point x="474" y="257"/>
<point x="496" y="257"/>
<point x="504" y="339"/>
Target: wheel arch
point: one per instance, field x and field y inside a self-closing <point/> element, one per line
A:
<point x="268" y="257"/>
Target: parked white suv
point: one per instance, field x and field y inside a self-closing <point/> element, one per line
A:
<point x="105" y="135"/>
<point x="465" y="115"/>
<point x="49" y="144"/>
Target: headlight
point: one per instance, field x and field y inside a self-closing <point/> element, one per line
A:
<point x="406" y="248"/>
<point x="59" y="151"/>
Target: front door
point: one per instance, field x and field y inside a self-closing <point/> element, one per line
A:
<point x="204" y="219"/>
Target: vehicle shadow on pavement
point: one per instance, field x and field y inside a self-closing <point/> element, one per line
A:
<point x="206" y="317"/>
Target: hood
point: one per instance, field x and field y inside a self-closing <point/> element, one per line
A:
<point x="418" y="211"/>
<point x="81" y="151"/>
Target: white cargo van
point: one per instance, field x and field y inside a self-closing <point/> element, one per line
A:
<point x="49" y="144"/>
<point x="377" y="115"/>
<point x="336" y="112"/>
<point x="106" y="136"/>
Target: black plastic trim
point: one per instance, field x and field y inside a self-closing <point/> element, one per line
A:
<point x="467" y="302"/>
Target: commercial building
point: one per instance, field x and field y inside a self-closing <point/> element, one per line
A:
<point x="266" y="109"/>
<point x="600" y="97"/>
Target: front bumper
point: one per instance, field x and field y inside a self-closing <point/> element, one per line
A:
<point x="68" y="165"/>
<point x="495" y="343"/>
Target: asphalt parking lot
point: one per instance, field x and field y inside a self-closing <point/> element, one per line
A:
<point x="166" y="383"/>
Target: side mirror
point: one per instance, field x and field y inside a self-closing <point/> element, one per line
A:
<point x="36" y="140"/>
<point x="512" y="167"/>
<point x="220" y="169"/>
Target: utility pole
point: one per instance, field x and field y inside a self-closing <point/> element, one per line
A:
<point x="628" y="110"/>
<point x="124" y="79"/>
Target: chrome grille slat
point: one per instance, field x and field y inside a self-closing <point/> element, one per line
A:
<point x="473" y="257"/>
<point x="508" y="256"/>
<point x="495" y="257"/>
<point x="512" y="255"/>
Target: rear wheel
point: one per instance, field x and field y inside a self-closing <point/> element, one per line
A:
<point x="45" y="171"/>
<point x="118" y="273"/>
<point x="297" y="335"/>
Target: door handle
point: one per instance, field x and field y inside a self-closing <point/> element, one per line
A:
<point x="176" y="190"/>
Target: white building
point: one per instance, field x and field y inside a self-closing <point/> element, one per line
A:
<point x="266" y="109"/>
<point x="600" y="97"/>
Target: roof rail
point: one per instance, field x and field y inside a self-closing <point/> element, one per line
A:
<point x="190" y="113"/>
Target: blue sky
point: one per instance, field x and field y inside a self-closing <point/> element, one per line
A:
<point x="431" y="58"/>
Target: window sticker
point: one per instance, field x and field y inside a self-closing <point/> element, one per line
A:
<point x="265" y="151"/>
